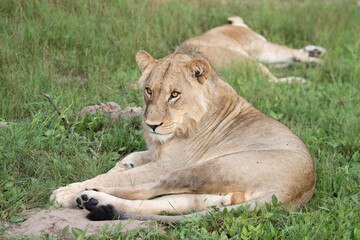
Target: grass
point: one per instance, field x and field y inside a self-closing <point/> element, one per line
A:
<point x="82" y="52"/>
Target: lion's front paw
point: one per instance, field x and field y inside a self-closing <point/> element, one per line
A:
<point x="64" y="196"/>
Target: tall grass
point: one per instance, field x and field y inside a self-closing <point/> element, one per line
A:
<point x="82" y="52"/>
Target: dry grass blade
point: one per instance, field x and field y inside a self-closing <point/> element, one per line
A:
<point x="57" y="110"/>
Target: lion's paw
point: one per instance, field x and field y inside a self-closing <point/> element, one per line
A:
<point x="128" y="165"/>
<point x="100" y="205"/>
<point x="64" y="196"/>
<point x="124" y="165"/>
<point x="90" y="199"/>
<point x="314" y="51"/>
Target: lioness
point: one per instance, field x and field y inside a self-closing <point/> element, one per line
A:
<point x="236" y="43"/>
<point x="207" y="146"/>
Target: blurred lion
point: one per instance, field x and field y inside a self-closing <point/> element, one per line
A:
<point x="236" y="43"/>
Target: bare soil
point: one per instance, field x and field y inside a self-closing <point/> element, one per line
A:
<point x="55" y="220"/>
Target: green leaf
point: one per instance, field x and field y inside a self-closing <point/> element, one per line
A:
<point x="122" y="149"/>
<point x="9" y="185"/>
<point x="222" y="236"/>
<point x="86" y="228"/>
<point x="274" y="200"/>
<point x="49" y="132"/>
<point x="104" y="228"/>
<point x="65" y="231"/>
<point x="232" y="231"/>
<point x="16" y="219"/>
<point x="36" y="119"/>
<point x="93" y="152"/>
<point x="245" y="231"/>
<point x="276" y="116"/>
<point x="357" y="233"/>
<point x="272" y="229"/>
<point x="356" y="156"/>
<point x="77" y="232"/>
<point x="334" y="145"/>
<point x="325" y="208"/>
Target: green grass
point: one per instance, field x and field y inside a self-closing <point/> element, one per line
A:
<point x="82" y="52"/>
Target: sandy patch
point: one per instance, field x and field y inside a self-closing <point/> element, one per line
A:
<point x="55" y="220"/>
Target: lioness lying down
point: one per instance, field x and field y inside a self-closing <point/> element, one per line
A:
<point x="207" y="146"/>
<point x="236" y="43"/>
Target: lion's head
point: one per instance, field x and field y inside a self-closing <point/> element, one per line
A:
<point x="174" y="92"/>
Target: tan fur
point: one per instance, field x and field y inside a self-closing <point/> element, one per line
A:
<point x="209" y="147"/>
<point x="236" y="43"/>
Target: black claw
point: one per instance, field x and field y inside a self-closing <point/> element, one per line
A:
<point x="84" y="197"/>
<point x="131" y="165"/>
<point x="78" y="201"/>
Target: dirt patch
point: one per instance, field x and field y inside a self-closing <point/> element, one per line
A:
<point x="54" y="221"/>
<point x="111" y="109"/>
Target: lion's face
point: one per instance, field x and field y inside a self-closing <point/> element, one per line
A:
<point x="172" y="92"/>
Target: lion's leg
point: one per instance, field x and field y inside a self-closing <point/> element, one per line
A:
<point x="193" y="179"/>
<point x="265" y="71"/>
<point x="293" y="178"/>
<point x="274" y="79"/>
<point x="173" y="204"/>
<point x="178" y="181"/>
<point x="271" y="53"/>
<point x="134" y="159"/>
<point x="65" y="196"/>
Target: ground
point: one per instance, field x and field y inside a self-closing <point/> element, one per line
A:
<point x="54" y="221"/>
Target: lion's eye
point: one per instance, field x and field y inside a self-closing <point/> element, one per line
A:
<point x="148" y="91"/>
<point x="174" y="94"/>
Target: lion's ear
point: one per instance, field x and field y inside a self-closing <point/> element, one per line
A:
<point x="200" y="69"/>
<point x="144" y="59"/>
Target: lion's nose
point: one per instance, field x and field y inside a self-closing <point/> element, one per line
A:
<point x="153" y="127"/>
